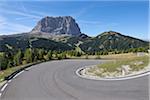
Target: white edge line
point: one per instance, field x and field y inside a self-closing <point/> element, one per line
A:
<point x="28" y="68"/>
<point x="9" y="81"/>
<point x="18" y="74"/>
<point x="3" y="88"/>
<point x="110" y="79"/>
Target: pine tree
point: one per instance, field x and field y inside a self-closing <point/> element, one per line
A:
<point x="3" y="61"/>
<point x="35" y="55"/>
<point x="10" y="64"/>
<point x="17" y="58"/>
<point x="28" y="55"/>
<point x="41" y="53"/>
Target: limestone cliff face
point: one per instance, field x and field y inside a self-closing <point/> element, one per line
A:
<point x="57" y="26"/>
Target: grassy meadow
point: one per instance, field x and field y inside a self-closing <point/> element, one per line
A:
<point x="112" y="67"/>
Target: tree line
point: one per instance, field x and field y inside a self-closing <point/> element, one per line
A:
<point x="106" y="52"/>
<point x="9" y="59"/>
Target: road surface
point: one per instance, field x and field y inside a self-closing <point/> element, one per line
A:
<point x="56" y="80"/>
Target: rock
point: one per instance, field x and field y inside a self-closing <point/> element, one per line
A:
<point x="125" y="69"/>
<point x="57" y="26"/>
<point x="139" y="63"/>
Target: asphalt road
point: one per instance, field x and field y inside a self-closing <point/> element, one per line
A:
<point x="56" y="80"/>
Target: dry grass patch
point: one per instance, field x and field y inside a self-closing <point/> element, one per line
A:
<point x="114" y="68"/>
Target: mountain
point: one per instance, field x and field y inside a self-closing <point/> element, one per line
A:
<point x="110" y="41"/>
<point x="63" y="34"/>
<point x="107" y="41"/>
<point x="65" y="25"/>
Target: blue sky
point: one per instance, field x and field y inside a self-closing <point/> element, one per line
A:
<point x="94" y="17"/>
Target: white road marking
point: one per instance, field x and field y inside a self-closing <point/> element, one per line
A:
<point x="28" y="68"/>
<point x="18" y="74"/>
<point x="9" y="81"/>
<point x="0" y="94"/>
<point x="3" y="88"/>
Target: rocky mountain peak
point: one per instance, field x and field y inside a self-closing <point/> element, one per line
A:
<point x="57" y="26"/>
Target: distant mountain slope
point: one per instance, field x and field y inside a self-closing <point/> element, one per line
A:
<point x="112" y="41"/>
<point x="49" y="44"/>
<point x="63" y="33"/>
<point x="13" y="43"/>
<point x="107" y="41"/>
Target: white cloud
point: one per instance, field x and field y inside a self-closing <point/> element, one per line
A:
<point x="18" y="27"/>
<point x="81" y="12"/>
<point x="17" y="9"/>
<point x="23" y="13"/>
<point x="20" y="13"/>
<point x="12" y="28"/>
<point x="7" y="27"/>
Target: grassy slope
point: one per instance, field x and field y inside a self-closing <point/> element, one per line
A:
<point x="113" y="65"/>
<point x="7" y="72"/>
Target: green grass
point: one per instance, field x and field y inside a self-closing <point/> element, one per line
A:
<point x="113" y="65"/>
<point x="7" y="72"/>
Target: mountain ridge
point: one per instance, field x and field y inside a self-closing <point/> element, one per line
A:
<point x="46" y="38"/>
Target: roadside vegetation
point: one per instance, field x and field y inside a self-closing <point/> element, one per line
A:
<point x="11" y="61"/>
<point x="133" y="62"/>
<point x="129" y="63"/>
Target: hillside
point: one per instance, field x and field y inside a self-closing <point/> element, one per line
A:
<point x="23" y="41"/>
<point x="107" y="41"/>
<point x="63" y="34"/>
<point x="110" y="41"/>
